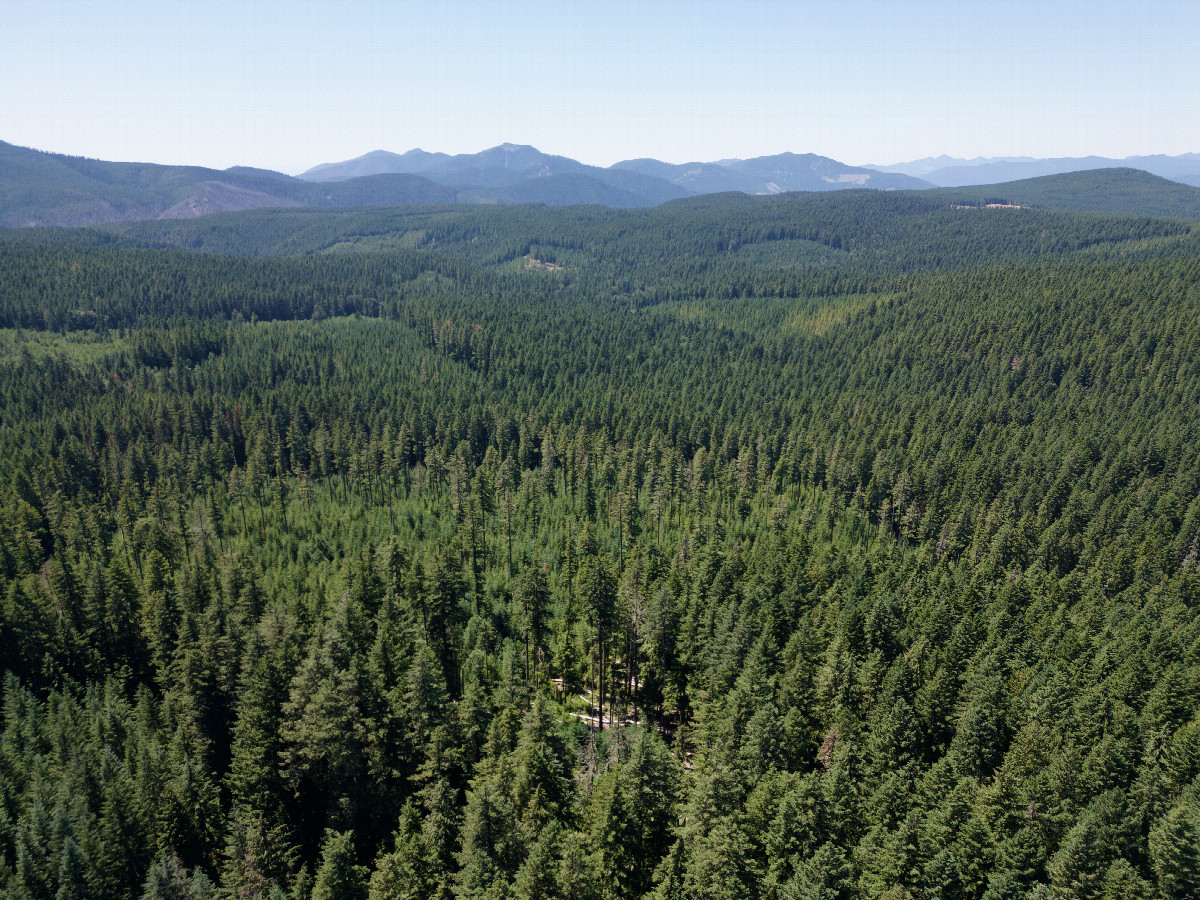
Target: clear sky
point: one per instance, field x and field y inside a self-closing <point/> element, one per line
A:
<point x="290" y="85"/>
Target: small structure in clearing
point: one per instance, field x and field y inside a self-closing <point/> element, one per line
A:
<point x="531" y="263"/>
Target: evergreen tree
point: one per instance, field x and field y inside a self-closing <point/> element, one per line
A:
<point x="406" y="873"/>
<point x="339" y="877"/>
<point x="1175" y="852"/>
<point x="168" y="880"/>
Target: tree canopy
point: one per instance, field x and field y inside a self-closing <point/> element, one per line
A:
<point x="838" y="548"/>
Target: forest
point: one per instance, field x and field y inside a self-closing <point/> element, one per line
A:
<point x="837" y="547"/>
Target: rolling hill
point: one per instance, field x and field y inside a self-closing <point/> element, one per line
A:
<point x="1129" y="215"/>
<point x="1118" y="191"/>
<point x="947" y="171"/>
<point x="809" y="172"/>
<point x="39" y="188"/>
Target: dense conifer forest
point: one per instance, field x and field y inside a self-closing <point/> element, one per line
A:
<point x="836" y="548"/>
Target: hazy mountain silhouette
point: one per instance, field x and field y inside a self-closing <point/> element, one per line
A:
<point x="38" y="188"/>
<point x="946" y="171"/>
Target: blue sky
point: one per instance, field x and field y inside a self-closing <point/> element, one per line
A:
<point x="290" y="85"/>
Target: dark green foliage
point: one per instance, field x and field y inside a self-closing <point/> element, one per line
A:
<point x="1175" y="852"/>
<point x="408" y="872"/>
<point x="678" y="573"/>
<point x="339" y="877"/>
<point x="1117" y="190"/>
<point x="168" y="880"/>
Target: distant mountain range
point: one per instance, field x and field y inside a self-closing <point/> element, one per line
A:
<point x="49" y="189"/>
<point x="948" y="171"/>
<point x="516" y="172"/>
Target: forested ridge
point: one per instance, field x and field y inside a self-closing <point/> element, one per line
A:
<point x="835" y="549"/>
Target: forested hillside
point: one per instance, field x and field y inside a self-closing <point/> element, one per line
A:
<point x="840" y="548"/>
<point x="704" y="241"/>
<point x="1122" y="190"/>
<point x="49" y="189"/>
